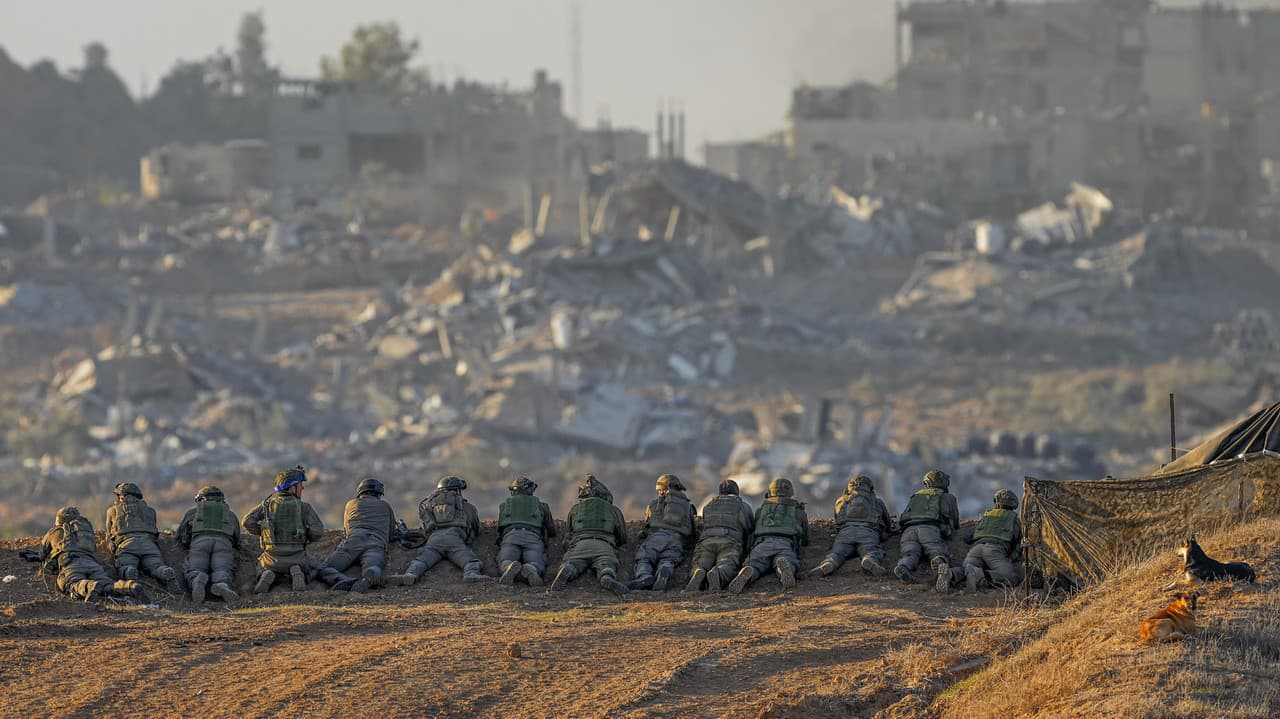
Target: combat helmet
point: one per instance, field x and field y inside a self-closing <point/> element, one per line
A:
<point x="210" y="493"/>
<point x="523" y="485"/>
<point x="452" y="482"/>
<point x="1006" y="499"/>
<point x="67" y="515"/>
<point x="781" y="487"/>
<point x="729" y="486"/>
<point x="369" y="485"/>
<point x="938" y="479"/>
<point x="289" y="478"/>
<point x="128" y="488"/>
<point x="859" y="483"/>
<point x="668" y="482"/>
<point x="592" y="487"/>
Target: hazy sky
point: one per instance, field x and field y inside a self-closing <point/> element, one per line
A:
<point x="732" y="62"/>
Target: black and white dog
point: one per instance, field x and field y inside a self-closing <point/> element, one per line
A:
<point x="1200" y="567"/>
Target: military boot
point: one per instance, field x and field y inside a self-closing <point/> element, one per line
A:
<point x="663" y="579"/>
<point x="411" y="574"/>
<point x="563" y="577"/>
<point x="786" y="573"/>
<point x="972" y="575"/>
<point x="740" y="582"/>
<point x="715" y="579"/>
<point x="298" y="577"/>
<point x="610" y="582"/>
<point x="904" y="574"/>
<point x="943" y="583"/>
<point x="129" y="587"/>
<point x="641" y="582"/>
<point x="473" y="573"/>
<point x="508" y="578"/>
<point x="224" y="590"/>
<point x="129" y="574"/>
<point x="822" y="570"/>
<point x="172" y="584"/>
<point x="265" y="580"/>
<point x="343" y="585"/>
<point x="368" y="578"/>
<point x="530" y="574"/>
<point x="198" y="583"/>
<point x="872" y="567"/>
<point x="696" y="580"/>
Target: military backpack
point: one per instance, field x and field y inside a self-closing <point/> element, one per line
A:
<point x="520" y="510"/>
<point x="924" y="506"/>
<point x="779" y="516"/>
<point x="285" y="531"/>
<point x="996" y="524"/>
<point x="213" y="516"/>
<point x="75" y="536"/>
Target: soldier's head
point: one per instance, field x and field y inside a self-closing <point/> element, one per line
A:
<point x="937" y="479"/>
<point x="781" y="487"/>
<point x="523" y="485"/>
<point x="860" y="483"/>
<point x="370" y="486"/>
<point x="668" y="482"/>
<point x="451" y="483"/>
<point x="1006" y="499"/>
<point x="210" y="493"/>
<point x="592" y="487"/>
<point x="66" y="515"/>
<point x="729" y="486"/>
<point x="291" y="481"/>
<point x="127" y="489"/>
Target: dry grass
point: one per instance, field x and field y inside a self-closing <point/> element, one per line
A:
<point x="1090" y="662"/>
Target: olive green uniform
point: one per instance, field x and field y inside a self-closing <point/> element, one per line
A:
<point x="451" y="524"/>
<point x="370" y="524"/>
<point x="728" y="526"/>
<point x="862" y="523"/>
<point x="132" y="534"/>
<point x="997" y="542"/>
<point x="596" y="529"/>
<point x="285" y="525"/>
<point x="928" y="522"/>
<point x="670" y="528"/>
<point x="781" y="528"/>
<point x="210" y="532"/>
<point x="524" y="526"/>
<point x="70" y="550"/>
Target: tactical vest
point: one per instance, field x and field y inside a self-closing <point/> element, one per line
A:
<point x="75" y="536"/>
<point x="213" y="516"/>
<point x="134" y="516"/>
<point x="672" y="515"/>
<point x="858" y="508"/>
<point x="443" y="510"/>
<point x="724" y="512"/>
<point x="779" y="518"/>
<point x="370" y="515"/>
<point x="996" y="524"/>
<point x="595" y="517"/>
<point x="924" y="506"/>
<point x="286" y="530"/>
<point x="520" y="510"/>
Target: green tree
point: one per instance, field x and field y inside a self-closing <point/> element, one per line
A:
<point x="95" y="56"/>
<point x="255" y="74"/>
<point x="375" y="54"/>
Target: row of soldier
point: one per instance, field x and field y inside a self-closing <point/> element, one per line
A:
<point x="731" y="545"/>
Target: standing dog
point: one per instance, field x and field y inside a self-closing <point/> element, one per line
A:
<point x="1171" y="623"/>
<point x="1200" y="567"/>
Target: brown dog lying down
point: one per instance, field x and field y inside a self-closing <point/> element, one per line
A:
<point x="1171" y="623"/>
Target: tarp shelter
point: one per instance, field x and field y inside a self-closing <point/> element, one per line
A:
<point x="1082" y="531"/>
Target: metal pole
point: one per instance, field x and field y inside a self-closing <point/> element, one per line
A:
<point x="1173" y="431"/>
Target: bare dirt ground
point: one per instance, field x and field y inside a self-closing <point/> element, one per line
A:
<point x="440" y="648"/>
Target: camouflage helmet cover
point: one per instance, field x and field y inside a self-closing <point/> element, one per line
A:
<point x="860" y="482"/>
<point x="781" y="487"/>
<point x="452" y="482"/>
<point x="729" y="486"/>
<point x="523" y="485"/>
<point x="592" y="487"/>
<point x="1006" y="499"/>
<point x="210" y="492"/>
<point x="669" y="481"/>
<point x="937" y="478"/>
<point x="67" y="515"/>
<point x="128" y="488"/>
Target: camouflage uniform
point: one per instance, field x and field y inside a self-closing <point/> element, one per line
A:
<point x="862" y="523"/>
<point x="524" y="525"/>
<point x="997" y="546"/>
<point x="596" y="529"/>
<point x="70" y="549"/>
<point x="728" y="525"/>
<point x="929" y="520"/>
<point x="370" y="525"/>
<point x="132" y="535"/>
<point x="670" y="528"/>
<point x="451" y="524"/>
<point x="285" y="526"/>
<point x="781" y="528"/>
<point x="210" y="532"/>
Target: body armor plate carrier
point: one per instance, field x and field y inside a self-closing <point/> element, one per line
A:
<point x="213" y="516"/>
<point x="672" y="515"/>
<point x="595" y="518"/>
<point x="996" y="524"/>
<point x="859" y="508"/>
<point x="133" y="516"/>
<point x="924" y="506"/>
<point x="285" y="531"/>
<point x="520" y="510"/>
<point x="76" y="536"/>
<point x="779" y="516"/>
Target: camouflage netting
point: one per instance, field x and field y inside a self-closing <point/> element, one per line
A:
<point x="1082" y="531"/>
